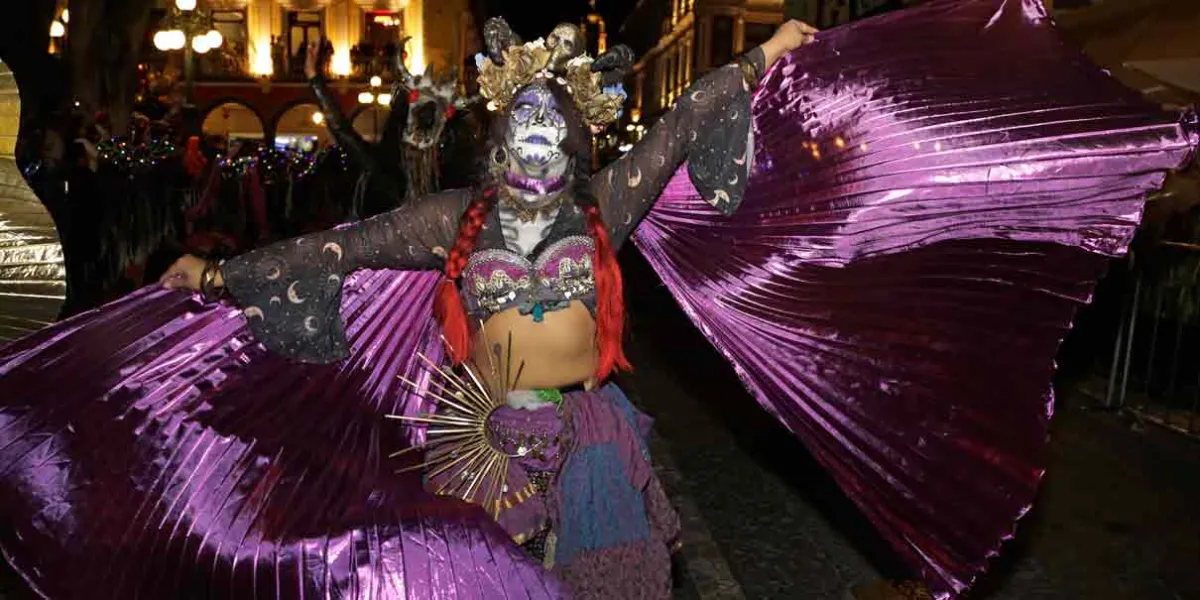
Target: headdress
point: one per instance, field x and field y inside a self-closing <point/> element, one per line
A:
<point x="510" y="65"/>
<point x="431" y="85"/>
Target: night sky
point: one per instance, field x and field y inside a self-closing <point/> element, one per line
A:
<point x="535" y="19"/>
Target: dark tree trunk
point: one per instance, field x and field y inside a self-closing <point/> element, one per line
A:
<point x="105" y="45"/>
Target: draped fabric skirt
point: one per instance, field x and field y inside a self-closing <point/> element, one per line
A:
<point x="581" y="496"/>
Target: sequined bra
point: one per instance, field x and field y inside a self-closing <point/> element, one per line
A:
<point x="497" y="280"/>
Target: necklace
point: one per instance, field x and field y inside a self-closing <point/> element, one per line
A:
<point x="523" y="211"/>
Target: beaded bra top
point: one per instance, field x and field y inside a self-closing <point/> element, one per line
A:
<point x="497" y="280"/>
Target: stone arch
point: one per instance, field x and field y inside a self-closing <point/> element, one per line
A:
<point x="294" y="121"/>
<point x="234" y="117"/>
<point x="368" y="119"/>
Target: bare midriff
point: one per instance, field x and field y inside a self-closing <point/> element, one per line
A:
<point x="558" y="352"/>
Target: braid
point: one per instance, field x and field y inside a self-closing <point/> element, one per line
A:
<point x="448" y="307"/>
<point x="610" y="293"/>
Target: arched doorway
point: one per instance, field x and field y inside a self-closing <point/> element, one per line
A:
<point x="233" y="121"/>
<point x="369" y="121"/>
<point x="303" y="127"/>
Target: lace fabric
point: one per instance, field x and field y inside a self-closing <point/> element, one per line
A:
<point x="290" y="291"/>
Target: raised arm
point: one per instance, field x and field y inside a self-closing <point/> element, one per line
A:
<point x="710" y="127"/>
<point x="291" y="291"/>
<point x="339" y="126"/>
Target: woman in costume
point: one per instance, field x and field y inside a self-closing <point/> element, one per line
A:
<point x="923" y="216"/>
<point x="531" y="281"/>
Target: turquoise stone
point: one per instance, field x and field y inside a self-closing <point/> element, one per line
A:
<point x="539" y="312"/>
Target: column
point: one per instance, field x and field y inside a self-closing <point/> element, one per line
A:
<point x="261" y="18"/>
<point x="739" y="34"/>
<point x="414" y="27"/>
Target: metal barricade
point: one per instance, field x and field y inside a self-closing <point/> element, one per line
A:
<point x="1155" y="369"/>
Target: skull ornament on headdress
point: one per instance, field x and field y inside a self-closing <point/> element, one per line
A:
<point x="594" y="85"/>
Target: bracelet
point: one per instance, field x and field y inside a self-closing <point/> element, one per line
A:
<point x="208" y="280"/>
<point x="750" y="72"/>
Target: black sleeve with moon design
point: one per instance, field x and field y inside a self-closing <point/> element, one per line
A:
<point x="710" y="127"/>
<point x="290" y="292"/>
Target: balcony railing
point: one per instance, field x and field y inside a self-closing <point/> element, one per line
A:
<point x="232" y="63"/>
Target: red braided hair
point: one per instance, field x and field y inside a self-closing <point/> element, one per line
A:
<point x="610" y="299"/>
<point x="447" y="304"/>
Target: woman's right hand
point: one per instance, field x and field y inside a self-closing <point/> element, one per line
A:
<point x="185" y="273"/>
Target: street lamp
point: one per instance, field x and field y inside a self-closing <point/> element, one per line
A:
<point x="375" y="99"/>
<point x="189" y="30"/>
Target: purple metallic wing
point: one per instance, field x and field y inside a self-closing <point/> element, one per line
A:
<point x="153" y="449"/>
<point x="936" y="192"/>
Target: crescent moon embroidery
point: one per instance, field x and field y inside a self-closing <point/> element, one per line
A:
<point x="628" y="218"/>
<point x="721" y="197"/>
<point x="276" y="300"/>
<point x="735" y="180"/>
<point x="742" y="160"/>
<point x="274" y="274"/>
<point x="662" y="161"/>
<point x="698" y="96"/>
<point x="438" y="251"/>
<point x="693" y="136"/>
<point x="334" y="248"/>
<point x="253" y="312"/>
<point x="734" y="115"/>
<point x="636" y="180"/>
<point x="292" y="296"/>
<point x="334" y="279"/>
<point x="309" y="324"/>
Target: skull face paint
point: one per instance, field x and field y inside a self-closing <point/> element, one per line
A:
<point x="536" y="130"/>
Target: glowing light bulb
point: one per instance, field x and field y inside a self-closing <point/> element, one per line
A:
<point x="318" y="118"/>
<point x="57" y="30"/>
<point x="200" y="44"/>
<point x="176" y="39"/>
<point x="215" y="39"/>
<point x="376" y="81"/>
<point x="366" y="98"/>
<point x="384" y="99"/>
<point x="66" y="16"/>
<point x="161" y="42"/>
<point x="185" y="5"/>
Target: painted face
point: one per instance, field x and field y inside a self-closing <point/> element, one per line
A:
<point x="536" y="130"/>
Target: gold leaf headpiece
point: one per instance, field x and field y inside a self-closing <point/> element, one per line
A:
<point x="524" y="64"/>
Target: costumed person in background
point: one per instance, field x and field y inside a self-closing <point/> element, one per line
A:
<point x="401" y="164"/>
<point x="886" y="246"/>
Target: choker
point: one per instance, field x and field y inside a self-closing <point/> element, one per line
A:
<point x="524" y="212"/>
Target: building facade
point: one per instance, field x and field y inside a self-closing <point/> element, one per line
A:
<point x="253" y="85"/>
<point x="680" y="40"/>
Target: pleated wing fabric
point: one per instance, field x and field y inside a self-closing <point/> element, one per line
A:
<point x="936" y="191"/>
<point x="153" y="449"/>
